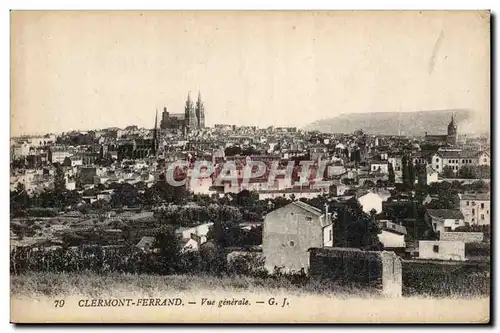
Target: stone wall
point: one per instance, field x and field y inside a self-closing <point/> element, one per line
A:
<point x="466" y="237"/>
<point x="364" y="269"/>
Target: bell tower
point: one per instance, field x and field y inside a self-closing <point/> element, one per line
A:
<point x="190" y="117"/>
<point x="451" y="137"/>
<point x="200" y="112"/>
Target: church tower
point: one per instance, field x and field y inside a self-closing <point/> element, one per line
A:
<point x="200" y="112"/>
<point x="451" y="138"/>
<point x="190" y="117"/>
<point x="154" y="145"/>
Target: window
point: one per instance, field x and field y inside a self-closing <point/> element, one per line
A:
<point x="485" y="161"/>
<point x="467" y="203"/>
<point x="437" y="159"/>
<point x="292" y="243"/>
<point x="435" y="248"/>
<point x="331" y="234"/>
<point x="473" y="211"/>
<point x="482" y="216"/>
<point x="463" y="161"/>
<point x="482" y="205"/>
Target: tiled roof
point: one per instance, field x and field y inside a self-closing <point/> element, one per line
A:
<point x="308" y="208"/>
<point x="475" y="196"/>
<point x="146" y="240"/>
<point x="453" y="214"/>
<point x="458" y="153"/>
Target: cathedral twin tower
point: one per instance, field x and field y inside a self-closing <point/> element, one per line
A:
<point x="193" y="117"/>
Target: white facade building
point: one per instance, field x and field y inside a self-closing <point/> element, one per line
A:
<point x="475" y="208"/>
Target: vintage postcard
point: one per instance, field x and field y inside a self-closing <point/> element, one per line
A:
<point x="250" y="167"/>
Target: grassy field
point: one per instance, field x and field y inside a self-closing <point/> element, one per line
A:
<point x="115" y="284"/>
<point x="89" y="284"/>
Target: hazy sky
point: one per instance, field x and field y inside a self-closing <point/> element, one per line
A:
<point x="86" y="70"/>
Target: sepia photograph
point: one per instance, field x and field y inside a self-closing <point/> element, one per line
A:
<point x="250" y="166"/>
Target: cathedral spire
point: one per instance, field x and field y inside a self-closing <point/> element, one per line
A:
<point x="156" y="119"/>
<point x="200" y="112"/>
<point x="155" y="135"/>
<point x="190" y="116"/>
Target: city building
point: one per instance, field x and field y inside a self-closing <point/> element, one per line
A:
<point x="455" y="158"/>
<point x="475" y="208"/>
<point x="441" y="250"/>
<point x="290" y="231"/>
<point x="192" y="119"/>
<point x="450" y="138"/>
<point x="443" y="220"/>
<point x="392" y="235"/>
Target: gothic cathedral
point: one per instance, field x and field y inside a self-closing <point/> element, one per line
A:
<point x="194" y="116"/>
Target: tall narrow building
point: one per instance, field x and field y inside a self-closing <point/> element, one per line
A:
<point x="200" y="112"/>
<point x="190" y="117"/>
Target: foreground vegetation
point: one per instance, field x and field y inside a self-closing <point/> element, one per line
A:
<point x="418" y="280"/>
<point x="113" y="284"/>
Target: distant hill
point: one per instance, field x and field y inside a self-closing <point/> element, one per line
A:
<point x="409" y="123"/>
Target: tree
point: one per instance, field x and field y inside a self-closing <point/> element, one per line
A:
<point x="125" y="195"/>
<point x="406" y="171"/>
<point x="233" y="150"/>
<point x="447" y="195"/>
<point x="225" y="234"/>
<point x="392" y="176"/>
<point x="167" y="244"/>
<point x="59" y="181"/>
<point x="480" y="186"/>
<point x="19" y="199"/>
<point x="448" y="172"/>
<point x="354" y="228"/>
<point x="483" y="172"/>
<point x="163" y="191"/>
<point x="421" y="172"/>
<point x="411" y="174"/>
<point x="347" y="181"/>
<point x="18" y="163"/>
<point x="368" y="183"/>
<point x="467" y="172"/>
<point x="243" y="198"/>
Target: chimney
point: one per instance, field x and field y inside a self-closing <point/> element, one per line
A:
<point x="328" y="215"/>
